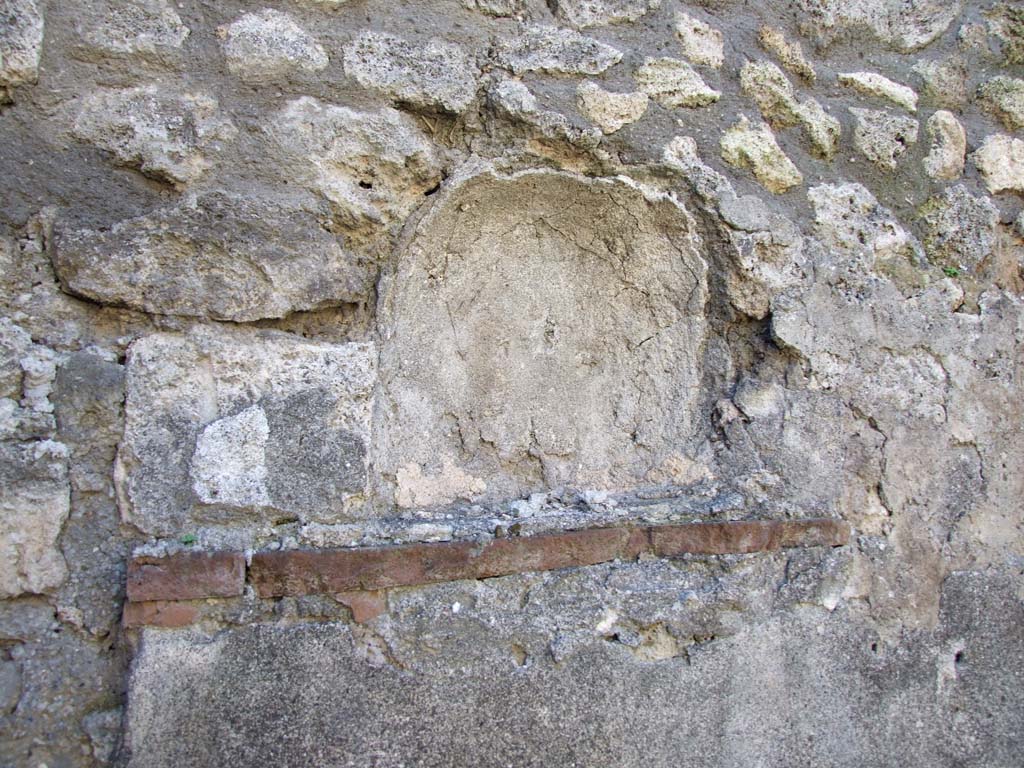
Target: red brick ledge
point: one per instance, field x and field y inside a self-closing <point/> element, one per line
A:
<point x="157" y="582"/>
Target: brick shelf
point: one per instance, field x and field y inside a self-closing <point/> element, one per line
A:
<point x="155" y="584"/>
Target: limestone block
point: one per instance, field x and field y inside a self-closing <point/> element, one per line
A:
<point x="268" y="46"/>
<point x="594" y="13"/>
<point x="674" y="83"/>
<point x="945" y="160"/>
<point x="146" y="29"/>
<point x="34" y="503"/>
<point x="776" y="98"/>
<point x="874" y="84"/>
<point x="21" y="42"/>
<point x="883" y="137"/>
<point x="1000" y="159"/>
<point x="754" y="147"/>
<point x="436" y="75"/>
<point x="373" y="167"/>
<point x="611" y="111"/>
<point x="701" y="43"/>
<point x="556" y="51"/>
<point x="160" y="133"/>
<point x="237" y="426"/>
<point x="219" y="255"/>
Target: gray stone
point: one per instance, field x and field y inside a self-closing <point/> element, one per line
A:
<point x="883" y="137"/>
<point x="437" y="75"/>
<point x="1004" y="97"/>
<point x="554" y="50"/>
<point x="162" y="134"/>
<point x="104" y="732"/>
<point x="220" y="426"/>
<point x="593" y="13"/>
<point x="21" y="43"/>
<point x="1000" y="159"/>
<point x="945" y="81"/>
<point x="269" y="46"/>
<point x="147" y="29"/>
<point x="34" y="503"/>
<point x="674" y="83"/>
<point x="902" y="25"/>
<point x="10" y="686"/>
<point x="219" y="255"/>
<point x="373" y="167"/>
<point x="960" y="229"/>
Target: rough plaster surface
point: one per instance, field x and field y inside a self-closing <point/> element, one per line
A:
<point x="336" y="273"/>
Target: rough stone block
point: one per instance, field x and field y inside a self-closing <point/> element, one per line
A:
<point x="218" y="255"/>
<point x="34" y="503"/>
<point x="234" y="426"/>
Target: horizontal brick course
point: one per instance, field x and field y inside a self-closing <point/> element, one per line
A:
<point x="350" y="574"/>
<point x="186" y="576"/>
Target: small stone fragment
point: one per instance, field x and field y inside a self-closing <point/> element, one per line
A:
<point x="35" y="499"/>
<point x="593" y="13"/>
<point x="789" y="54"/>
<point x="437" y="75"/>
<point x="1006" y="24"/>
<point x="554" y="50"/>
<point x="960" y="229"/>
<point x="229" y="465"/>
<point x="10" y="686"/>
<point x="848" y="219"/>
<point x="150" y="29"/>
<point x="1000" y="159"/>
<point x="945" y="160"/>
<point x="269" y="45"/>
<point x="104" y="730"/>
<point x="609" y="110"/>
<point x="674" y="83"/>
<point x="945" y="81"/>
<point x="873" y="84"/>
<point x="373" y="167"/>
<point x="754" y="147"/>
<point x="499" y="8"/>
<point x="883" y="137"/>
<point x="21" y="43"/>
<point x="770" y="88"/>
<point x="701" y="43"/>
<point x="513" y="98"/>
<point x="161" y="134"/>
<point x="1004" y="97"/>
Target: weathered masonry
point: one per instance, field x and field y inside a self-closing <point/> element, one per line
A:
<point x="511" y="383"/>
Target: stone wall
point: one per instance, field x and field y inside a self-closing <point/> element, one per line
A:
<point x="510" y="382"/>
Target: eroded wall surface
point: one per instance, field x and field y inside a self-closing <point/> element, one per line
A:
<point x="324" y="275"/>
